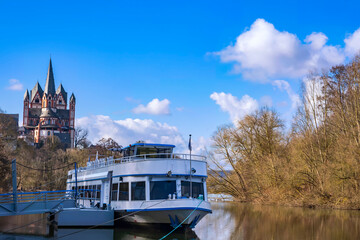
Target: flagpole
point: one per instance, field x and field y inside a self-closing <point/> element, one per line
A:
<point x="190" y="148"/>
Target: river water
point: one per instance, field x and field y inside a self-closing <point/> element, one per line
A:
<point x="238" y="221"/>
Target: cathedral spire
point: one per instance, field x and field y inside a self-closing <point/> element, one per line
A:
<point x="26" y="95"/>
<point x="50" y="83"/>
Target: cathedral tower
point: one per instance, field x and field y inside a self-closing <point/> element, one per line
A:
<point x="46" y="113"/>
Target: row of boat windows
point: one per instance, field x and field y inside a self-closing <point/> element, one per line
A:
<point x="158" y="190"/>
<point x="151" y="152"/>
<point x="91" y="191"/>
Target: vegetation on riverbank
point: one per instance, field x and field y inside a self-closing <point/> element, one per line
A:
<point x="44" y="167"/>
<point x="316" y="163"/>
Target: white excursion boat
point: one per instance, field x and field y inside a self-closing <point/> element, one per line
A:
<point x="148" y="185"/>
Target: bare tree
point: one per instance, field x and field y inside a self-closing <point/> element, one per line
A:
<point x="81" y="140"/>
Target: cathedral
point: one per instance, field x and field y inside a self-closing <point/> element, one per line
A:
<point x="47" y="112"/>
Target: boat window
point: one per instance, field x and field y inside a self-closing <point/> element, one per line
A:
<point x="81" y="190"/>
<point x="164" y="152"/>
<point x="114" y="191"/>
<point x="89" y="191"/>
<point x="154" y="152"/>
<point x="124" y="192"/>
<point x="162" y="189"/>
<point x="93" y="191"/>
<point x="129" y="152"/>
<point x="146" y="151"/>
<point x="137" y="191"/>
<point x="197" y="189"/>
<point x="98" y="191"/>
<point x="86" y="192"/>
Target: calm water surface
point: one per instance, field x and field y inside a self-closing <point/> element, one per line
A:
<point x="240" y="221"/>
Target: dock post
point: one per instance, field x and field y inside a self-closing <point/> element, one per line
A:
<point x="14" y="183"/>
<point x="52" y="225"/>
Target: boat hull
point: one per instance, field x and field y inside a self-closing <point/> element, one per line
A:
<point x="189" y="216"/>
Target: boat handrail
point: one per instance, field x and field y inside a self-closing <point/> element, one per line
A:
<point x="143" y="157"/>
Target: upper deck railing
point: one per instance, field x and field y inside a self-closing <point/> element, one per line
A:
<point x="103" y="162"/>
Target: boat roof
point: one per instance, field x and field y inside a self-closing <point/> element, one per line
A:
<point x="150" y="145"/>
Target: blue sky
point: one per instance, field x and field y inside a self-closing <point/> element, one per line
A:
<point x="117" y="55"/>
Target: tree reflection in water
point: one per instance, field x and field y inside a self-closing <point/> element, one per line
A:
<point x="244" y="221"/>
<point x="235" y="221"/>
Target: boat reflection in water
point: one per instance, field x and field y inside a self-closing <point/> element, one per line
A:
<point x="239" y="221"/>
<point x="139" y="233"/>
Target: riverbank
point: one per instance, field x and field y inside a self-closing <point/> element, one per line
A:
<point x="302" y="203"/>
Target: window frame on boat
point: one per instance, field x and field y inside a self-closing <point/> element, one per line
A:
<point x="165" y="185"/>
<point x="134" y="196"/>
<point x="196" y="192"/>
<point x="114" y="191"/>
<point x="121" y="192"/>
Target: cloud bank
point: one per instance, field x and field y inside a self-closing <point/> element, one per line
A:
<point x="263" y="52"/>
<point x="236" y="108"/>
<point x="352" y="44"/>
<point x="130" y="130"/>
<point x="155" y="107"/>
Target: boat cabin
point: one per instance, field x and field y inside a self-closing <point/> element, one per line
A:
<point x="151" y="150"/>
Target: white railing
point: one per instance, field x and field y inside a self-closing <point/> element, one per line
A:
<point x="103" y="162"/>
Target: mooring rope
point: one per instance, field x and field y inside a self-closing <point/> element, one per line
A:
<point x="113" y="220"/>
<point x="182" y="221"/>
<point x="44" y="170"/>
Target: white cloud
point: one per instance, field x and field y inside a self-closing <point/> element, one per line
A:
<point x="285" y="86"/>
<point x="237" y="108"/>
<point x="15" y="85"/>
<point x="352" y="44"/>
<point x="263" y="52"/>
<point x="201" y="146"/>
<point x="130" y="130"/>
<point x="155" y="107"/>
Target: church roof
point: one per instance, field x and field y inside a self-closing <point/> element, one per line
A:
<point x="63" y="113"/>
<point x="34" y="112"/>
<point x="47" y="113"/>
<point x="62" y="91"/>
<point x="37" y="88"/>
<point x="50" y="82"/>
<point x="26" y="95"/>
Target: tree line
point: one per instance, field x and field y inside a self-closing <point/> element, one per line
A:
<point x="315" y="163"/>
<point x="44" y="167"/>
